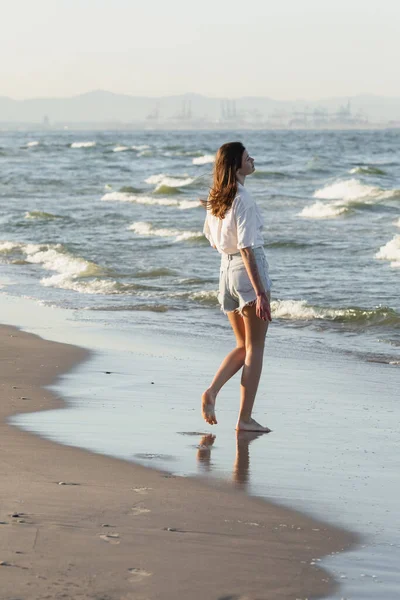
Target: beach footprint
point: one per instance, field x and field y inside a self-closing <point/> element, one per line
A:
<point x="138" y="574"/>
<point x="142" y="491"/>
<point x="111" y="538"/>
<point x="140" y="510"/>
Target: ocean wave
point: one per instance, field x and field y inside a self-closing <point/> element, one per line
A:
<point x="319" y="210"/>
<point x="146" y="229"/>
<point x="141" y="148"/>
<point x="82" y="144"/>
<point x="167" y="184"/>
<point x="120" y="148"/>
<point x="204" y="160"/>
<point x="32" y="144"/>
<point x="6" y="247"/>
<point x="204" y="297"/>
<point x="367" y="170"/>
<point x="39" y="214"/>
<point x="138" y="199"/>
<point x="72" y="272"/>
<point x="390" y="251"/>
<point x="167" y="190"/>
<point x="207" y="297"/>
<point x="128" y="189"/>
<point x="397" y="223"/>
<point x="56" y="258"/>
<point x="299" y="310"/>
<point x="344" y="194"/>
<point x="353" y="189"/>
<point x="171" y="151"/>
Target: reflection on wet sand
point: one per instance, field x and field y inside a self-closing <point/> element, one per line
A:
<point x="241" y="467"/>
<point x="204" y="451"/>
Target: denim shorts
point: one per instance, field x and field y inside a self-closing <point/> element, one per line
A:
<point x="235" y="287"/>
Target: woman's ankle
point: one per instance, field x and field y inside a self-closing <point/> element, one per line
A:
<point x="244" y="418"/>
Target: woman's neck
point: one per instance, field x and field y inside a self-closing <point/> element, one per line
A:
<point x="240" y="178"/>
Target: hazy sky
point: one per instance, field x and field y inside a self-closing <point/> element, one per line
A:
<point x="285" y="49"/>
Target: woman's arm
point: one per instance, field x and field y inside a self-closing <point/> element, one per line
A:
<point x="263" y="308"/>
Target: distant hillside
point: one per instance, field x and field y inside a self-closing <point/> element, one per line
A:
<point x="102" y="106"/>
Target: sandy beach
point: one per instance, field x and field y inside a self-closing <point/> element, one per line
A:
<point x="76" y="524"/>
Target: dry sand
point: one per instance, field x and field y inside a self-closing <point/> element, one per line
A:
<point x="74" y="524"/>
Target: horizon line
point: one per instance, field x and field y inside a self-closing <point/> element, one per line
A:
<point x="175" y="95"/>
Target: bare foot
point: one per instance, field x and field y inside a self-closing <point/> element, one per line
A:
<point x="204" y="451"/>
<point x="208" y="406"/>
<point x="251" y="425"/>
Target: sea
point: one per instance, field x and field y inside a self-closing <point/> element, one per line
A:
<point x="101" y="244"/>
<point x="109" y="223"/>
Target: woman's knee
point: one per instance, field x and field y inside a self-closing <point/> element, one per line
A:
<point x="255" y="347"/>
<point x="241" y="351"/>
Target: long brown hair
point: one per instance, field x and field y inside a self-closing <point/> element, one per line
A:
<point x="224" y="189"/>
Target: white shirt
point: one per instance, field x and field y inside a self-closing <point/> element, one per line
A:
<point x="241" y="228"/>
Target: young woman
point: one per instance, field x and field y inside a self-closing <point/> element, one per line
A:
<point x="234" y="227"/>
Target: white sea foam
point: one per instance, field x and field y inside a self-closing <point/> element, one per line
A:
<point x="147" y="229"/>
<point x="9" y="246"/>
<point x="32" y="144"/>
<point x="350" y="189"/>
<point x="205" y="296"/>
<point x="141" y="148"/>
<point x="71" y="272"/>
<point x="93" y="286"/>
<point x="299" y="310"/>
<point x="138" y="199"/>
<point x="169" y="181"/>
<point x="391" y="251"/>
<point x="83" y="144"/>
<point x="293" y="309"/>
<point x="56" y="258"/>
<point x="204" y="160"/>
<point x="120" y="148"/>
<point x="343" y="194"/>
<point x="188" y="204"/>
<point x="319" y="210"/>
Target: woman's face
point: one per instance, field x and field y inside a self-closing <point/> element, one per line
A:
<point x="247" y="166"/>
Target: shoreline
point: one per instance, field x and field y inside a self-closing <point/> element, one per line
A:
<point x="90" y="525"/>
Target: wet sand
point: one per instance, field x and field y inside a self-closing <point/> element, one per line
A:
<point x="76" y="524"/>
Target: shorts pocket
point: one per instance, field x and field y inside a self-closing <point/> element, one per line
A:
<point x="241" y="281"/>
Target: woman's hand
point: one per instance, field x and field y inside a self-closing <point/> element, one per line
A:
<point x="263" y="307"/>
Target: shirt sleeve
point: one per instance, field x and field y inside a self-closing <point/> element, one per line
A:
<point x="246" y="225"/>
<point x="207" y="232"/>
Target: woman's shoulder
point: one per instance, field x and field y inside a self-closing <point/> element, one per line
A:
<point x="243" y="198"/>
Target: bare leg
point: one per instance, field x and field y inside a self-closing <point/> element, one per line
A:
<point x="231" y="364"/>
<point x="255" y="332"/>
